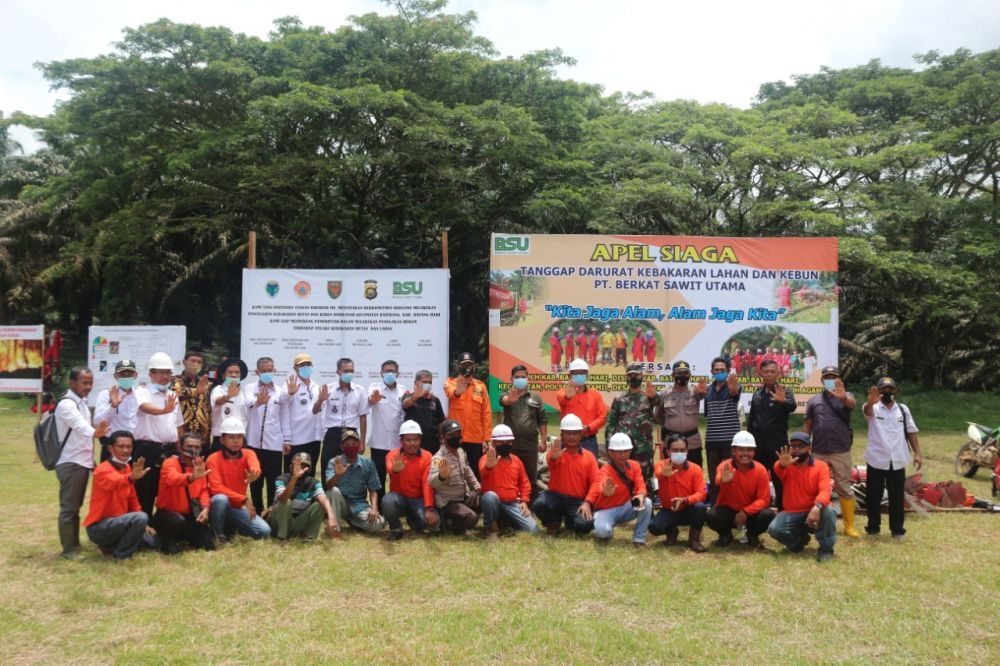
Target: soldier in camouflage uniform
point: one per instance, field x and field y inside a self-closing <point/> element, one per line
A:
<point x="632" y="414"/>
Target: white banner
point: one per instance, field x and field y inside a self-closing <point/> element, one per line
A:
<point x="21" y="359"/>
<point x="369" y="316"/>
<point x="110" y="344"/>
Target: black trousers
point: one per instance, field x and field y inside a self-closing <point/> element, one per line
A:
<point x="312" y="448"/>
<point x="331" y="449"/>
<point x="270" y="466"/>
<point x="767" y="459"/>
<point x="715" y="458"/>
<point x="721" y="519"/>
<point x="378" y="457"/>
<point x="147" y="487"/>
<point x="530" y="460"/>
<point x="474" y="450"/>
<point x="878" y="481"/>
<point x="173" y="526"/>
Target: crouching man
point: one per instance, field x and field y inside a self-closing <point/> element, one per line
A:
<point x="506" y="488"/>
<point x="572" y="471"/>
<point x="744" y="495"/>
<point x="300" y="505"/>
<point x="409" y="494"/>
<point x="230" y="471"/>
<point x="682" y="496"/>
<point x="115" y="522"/>
<point x="352" y="486"/>
<point x="618" y="495"/>
<point x="182" y="500"/>
<point x="805" y="502"/>
<point x="456" y="489"/>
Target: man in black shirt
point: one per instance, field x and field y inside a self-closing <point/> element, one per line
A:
<point x="768" y="421"/>
<point x="424" y="407"/>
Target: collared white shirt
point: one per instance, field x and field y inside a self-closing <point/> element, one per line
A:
<point x="303" y="424"/>
<point x="160" y="428"/>
<point x="123" y="417"/>
<point x="235" y="406"/>
<point x="386" y="416"/>
<point x="344" y="409"/>
<point x="267" y="424"/>
<point x="74" y="414"/>
<point x="886" y="437"/>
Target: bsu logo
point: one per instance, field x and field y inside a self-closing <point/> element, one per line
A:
<point x="503" y="244"/>
<point x="407" y="288"/>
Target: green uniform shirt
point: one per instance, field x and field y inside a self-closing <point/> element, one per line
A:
<point x="632" y="414"/>
<point x="525" y="417"/>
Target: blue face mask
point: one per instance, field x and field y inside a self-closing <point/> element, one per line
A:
<point x="830" y="384"/>
<point x="678" y="457"/>
<point x="232" y="380"/>
<point x="579" y="380"/>
<point x="520" y="383"/>
<point x="721" y="376"/>
<point x="389" y="378"/>
<point x="347" y="377"/>
<point x="267" y="378"/>
<point x="125" y="383"/>
<point x="162" y="388"/>
<point x="306" y="371"/>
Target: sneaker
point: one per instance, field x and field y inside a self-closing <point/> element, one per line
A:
<point x="899" y="537"/>
<point x="754" y="543"/>
<point x="395" y="535"/>
<point x="71" y="554"/>
<point x="824" y="555"/>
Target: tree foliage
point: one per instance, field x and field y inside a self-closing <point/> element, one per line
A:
<point x="357" y="147"/>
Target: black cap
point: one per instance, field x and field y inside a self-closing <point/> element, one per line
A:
<point x="221" y="370"/>
<point x="681" y="365"/>
<point x="465" y="357"/>
<point x="884" y="382"/>
<point x="449" y="427"/>
<point x="829" y="370"/>
<point x="801" y="437"/>
<point x="349" y="434"/>
<point x="635" y="367"/>
<point x="125" y="364"/>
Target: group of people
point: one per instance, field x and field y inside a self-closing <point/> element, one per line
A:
<point x="607" y="348"/>
<point x="183" y="461"/>
<point x="791" y="363"/>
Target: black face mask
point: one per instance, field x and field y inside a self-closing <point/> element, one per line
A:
<point x="886" y="398"/>
<point x="504" y="449"/>
<point x="801" y="457"/>
<point x="453" y="442"/>
<point x="634" y="382"/>
<point x="681" y="381"/>
<point x="465" y="371"/>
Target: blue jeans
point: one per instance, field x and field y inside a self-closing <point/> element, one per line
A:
<point x="122" y="534"/>
<point x="221" y="515"/>
<point x="789" y="528"/>
<point x="553" y="508"/>
<point x="590" y="443"/>
<point x="606" y="519"/>
<point x="666" y="520"/>
<point x="395" y="506"/>
<point x="493" y="508"/>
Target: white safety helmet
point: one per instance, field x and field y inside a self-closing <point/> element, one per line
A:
<point x="579" y="364"/>
<point x="160" y="361"/>
<point x="571" y="422"/>
<point x="410" y="427"/>
<point x="233" y="426"/>
<point x="620" y="442"/>
<point x="743" y="438"/>
<point x="502" y="433"/>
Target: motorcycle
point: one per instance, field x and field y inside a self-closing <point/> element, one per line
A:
<point x="982" y="450"/>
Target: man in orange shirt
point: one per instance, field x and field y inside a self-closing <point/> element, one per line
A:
<point x="116" y="522"/>
<point x="230" y="471"/>
<point x="182" y="499"/>
<point x="805" y="502"/>
<point x="409" y="493"/>
<point x="682" y="496"/>
<point x="572" y="471"/>
<point x="618" y="495"/>
<point x="506" y="489"/>
<point x="577" y="398"/>
<point x="744" y="495"/>
<point x="469" y="404"/>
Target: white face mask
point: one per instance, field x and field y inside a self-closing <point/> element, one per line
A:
<point x="120" y="461"/>
<point x="678" y="457"/>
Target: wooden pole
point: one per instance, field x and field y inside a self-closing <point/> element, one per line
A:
<point x="39" y="399"/>
<point x="252" y="250"/>
<point x="444" y="249"/>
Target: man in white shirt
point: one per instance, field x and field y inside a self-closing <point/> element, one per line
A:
<point x="341" y="406"/>
<point x="159" y="425"/>
<point x="385" y="400"/>
<point x="891" y="434"/>
<point x="300" y="394"/>
<point x="74" y="426"/>
<point x="227" y="399"/>
<point x="117" y="404"/>
<point x="268" y="431"/>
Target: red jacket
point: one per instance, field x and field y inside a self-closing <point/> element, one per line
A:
<point x="596" y="496"/>
<point x="228" y="476"/>
<point x="174" y="488"/>
<point x="749" y="491"/>
<point x="688" y="481"/>
<point x="113" y="494"/>
<point x="804" y="486"/>
<point x="572" y="473"/>
<point x="507" y="479"/>
<point x="412" y="481"/>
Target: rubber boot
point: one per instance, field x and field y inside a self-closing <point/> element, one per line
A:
<point x="694" y="540"/>
<point x="847" y="509"/>
<point x="69" y="538"/>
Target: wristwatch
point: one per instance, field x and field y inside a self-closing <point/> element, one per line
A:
<point x="819" y="506"/>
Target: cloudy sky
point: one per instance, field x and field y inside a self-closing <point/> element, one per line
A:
<point x="718" y="51"/>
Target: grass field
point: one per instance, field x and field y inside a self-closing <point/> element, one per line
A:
<point x="934" y="598"/>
